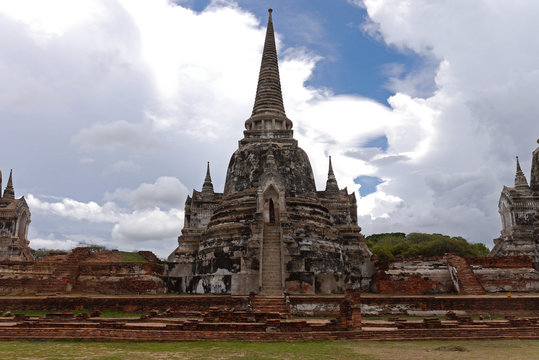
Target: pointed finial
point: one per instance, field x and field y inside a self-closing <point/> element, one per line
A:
<point x="9" y="192"/>
<point x="208" y="176"/>
<point x="520" y="178"/>
<point x="207" y="186"/>
<point x="331" y="183"/>
<point x="0" y="184"/>
<point x="268" y="110"/>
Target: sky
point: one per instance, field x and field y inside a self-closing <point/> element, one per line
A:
<point x="110" y="109"/>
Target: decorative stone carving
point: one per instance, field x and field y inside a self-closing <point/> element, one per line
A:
<point x="14" y="222"/>
<point x="270" y="230"/>
<point x="518" y="208"/>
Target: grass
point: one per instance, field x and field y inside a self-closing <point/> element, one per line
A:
<point x="134" y="257"/>
<point x="370" y="350"/>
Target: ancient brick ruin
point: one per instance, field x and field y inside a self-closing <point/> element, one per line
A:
<point x="519" y="210"/>
<point x="14" y="222"/>
<point x="239" y="318"/>
<point x="83" y="271"/>
<point x="453" y="274"/>
<point x="270" y="231"/>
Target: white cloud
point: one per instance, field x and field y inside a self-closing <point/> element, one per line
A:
<point x="468" y="131"/>
<point x="165" y="192"/>
<point x="51" y="242"/>
<point x="77" y="210"/>
<point x="120" y="133"/>
<point x="378" y="205"/>
<point x="124" y="166"/>
<point x="183" y="79"/>
<point x="44" y="19"/>
<point x="86" y="160"/>
<point x="147" y="225"/>
<point x="141" y="225"/>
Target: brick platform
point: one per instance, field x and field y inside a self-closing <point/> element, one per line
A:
<point x="317" y="306"/>
<point x="189" y="318"/>
<point x="270" y="330"/>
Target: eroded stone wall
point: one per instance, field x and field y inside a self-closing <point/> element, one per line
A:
<point x="419" y="276"/>
<point x="510" y="273"/>
<point x="82" y="272"/>
<point x="413" y="277"/>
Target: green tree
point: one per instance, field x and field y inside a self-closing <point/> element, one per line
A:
<point x="388" y="245"/>
<point x="41" y="253"/>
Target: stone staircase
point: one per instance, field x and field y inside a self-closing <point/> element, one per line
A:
<point x="269" y="304"/>
<point x="468" y="284"/>
<point x="271" y="262"/>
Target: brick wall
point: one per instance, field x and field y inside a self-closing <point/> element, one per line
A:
<point x="300" y="305"/>
<point x="71" y="274"/>
<point x="418" y="276"/>
<point x="424" y="276"/>
<point x="506" y="274"/>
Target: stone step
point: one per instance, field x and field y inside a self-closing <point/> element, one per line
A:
<point x="270" y="304"/>
<point x="271" y="261"/>
<point x="468" y="283"/>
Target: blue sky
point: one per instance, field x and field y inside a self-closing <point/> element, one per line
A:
<point x="113" y="107"/>
<point x="352" y="61"/>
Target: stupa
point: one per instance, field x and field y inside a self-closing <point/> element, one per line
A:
<point x="270" y="231"/>
<point x="519" y="211"/>
<point x="14" y="222"/>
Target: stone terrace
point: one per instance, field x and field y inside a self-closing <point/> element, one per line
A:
<point x="185" y="318"/>
<point x="304" y="306"/>
<point x="192" y="326"/>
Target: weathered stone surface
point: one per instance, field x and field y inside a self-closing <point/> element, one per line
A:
<point x="270" y="230"/>
<point x="83" y="271"/>
<point x="534" y="178"/>
<point x="518" y="207"/>
<point x="438" y="275"/>
<point x="14" y="222"/>
<point x="503" y="274"/>
<point x="416" y="276"/>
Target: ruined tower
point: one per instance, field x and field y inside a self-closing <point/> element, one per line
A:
<point x="14" y="222"/>
<point x="518" y="208"/>
<point x="270" y="231"/>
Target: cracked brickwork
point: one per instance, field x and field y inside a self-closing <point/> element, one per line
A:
<point x="270" y="204"/>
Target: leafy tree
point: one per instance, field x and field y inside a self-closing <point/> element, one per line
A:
<point x="94" y="247"/>
<point x="388" y="245"/>
<point x="482" y="249"/>
<point x="41" y="253"/>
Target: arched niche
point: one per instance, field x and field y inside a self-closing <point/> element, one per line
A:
<point x="271" y="209"/>
<point x="22" y="226"/>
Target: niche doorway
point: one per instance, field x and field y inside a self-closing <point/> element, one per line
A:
<point x="271" y="206"/>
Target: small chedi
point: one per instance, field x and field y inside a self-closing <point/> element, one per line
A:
<point x="270" y="231"/>
<point x="519" y="210"/>
<point x="14" y="222"/>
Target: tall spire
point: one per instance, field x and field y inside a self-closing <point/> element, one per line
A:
<point x="9" y="192"/>
<point x="207" y="187"/>
<point x="268" y="111"/>
<point x="534" y="178"/>
<point x="0" y="184"/>
<point x="520" y="178"/>
<point x="331" y="183"/>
